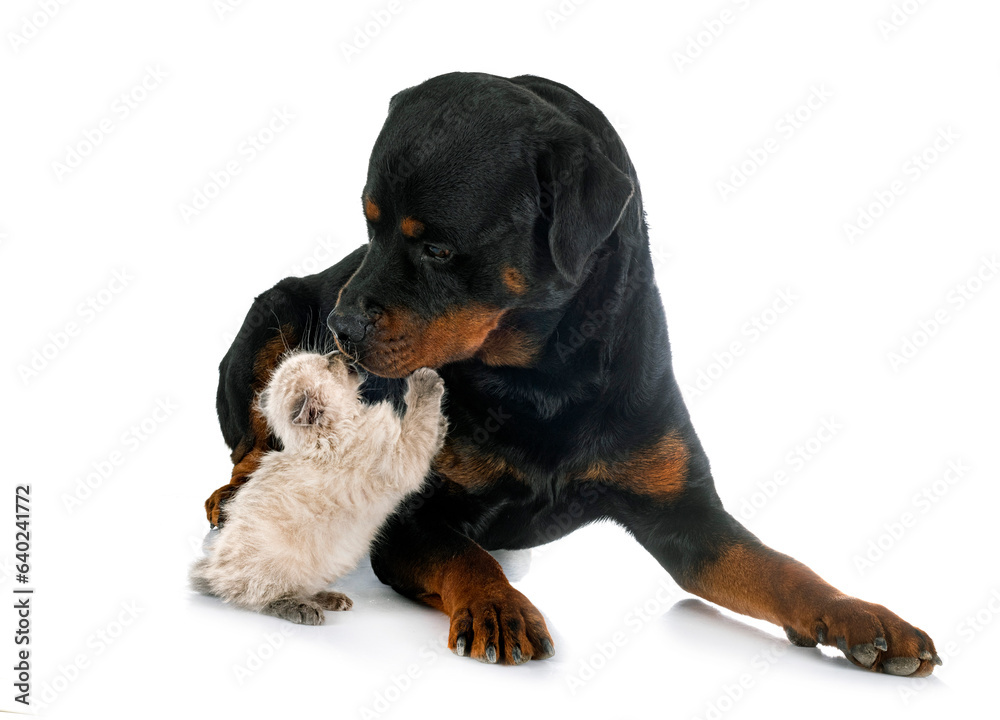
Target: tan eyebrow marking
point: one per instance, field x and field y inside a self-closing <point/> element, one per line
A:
<point x="514" y="280"/>
<point x="372" y="211"/>
<point x="412" y="228"/>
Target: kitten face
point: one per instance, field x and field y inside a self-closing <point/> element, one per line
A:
<point x="310" y="395"/>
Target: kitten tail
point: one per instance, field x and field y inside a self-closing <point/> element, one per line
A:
<point x="199" y="579"/>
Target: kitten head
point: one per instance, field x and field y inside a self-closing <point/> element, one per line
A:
<point x="310" y="396"/>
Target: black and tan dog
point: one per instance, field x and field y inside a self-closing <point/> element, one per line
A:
<point x="507" y="248"/>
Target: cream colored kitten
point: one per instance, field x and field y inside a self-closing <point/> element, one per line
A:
<point x="310" y="511"/>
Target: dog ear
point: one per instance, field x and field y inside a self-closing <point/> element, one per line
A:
<point x="308" y="412"/>
<point x="584" y="195"/>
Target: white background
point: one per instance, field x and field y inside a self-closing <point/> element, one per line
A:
<point x="294" y="208"/>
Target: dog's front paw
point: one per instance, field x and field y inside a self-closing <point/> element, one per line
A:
<point x="499" y="624"/>
<point x="871" y="636"/>
<point x="213" y="506"/>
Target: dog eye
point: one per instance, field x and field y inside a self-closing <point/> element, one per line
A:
<point x="435" y="252"/>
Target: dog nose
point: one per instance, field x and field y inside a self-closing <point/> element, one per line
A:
<point x="351" y="327"/>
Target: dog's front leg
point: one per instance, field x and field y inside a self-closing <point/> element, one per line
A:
<point x="424" y="559"/>
<point x="668" y="501"/>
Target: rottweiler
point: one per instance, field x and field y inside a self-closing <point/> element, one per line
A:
<point x="508" y="248"/>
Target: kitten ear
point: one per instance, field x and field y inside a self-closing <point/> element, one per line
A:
<point x="308" y="412"/>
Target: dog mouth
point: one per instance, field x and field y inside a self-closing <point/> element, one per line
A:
<point x="392" y="361"/>
<point x="402" y="341"/>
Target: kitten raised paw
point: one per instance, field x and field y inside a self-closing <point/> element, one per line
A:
<point x="424" y="382"/>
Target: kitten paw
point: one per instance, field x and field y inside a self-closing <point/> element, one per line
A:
<point x="297" y="610"/>
<point x="329" y="600"/>
<point x="425" y="383"/>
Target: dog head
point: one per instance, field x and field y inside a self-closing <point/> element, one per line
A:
<point x="481" y="199"/>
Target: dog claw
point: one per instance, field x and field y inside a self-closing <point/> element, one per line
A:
<point x="865" y="653"/>
<point x="798" y="640"/>
<point x="821" y="634"/>
<point x="516" y="656"/>
<point x="901" y="665"/>
<point x="925" y="655"/>
<point x="491" y="654"/>
<point x="937" y="659"/>
<point x="547" y="650"/>
<point x="881" y="644"/>
<point x="460" y="646"/>
<point x="842" y="645"/>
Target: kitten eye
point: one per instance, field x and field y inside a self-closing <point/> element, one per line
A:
<point x="435" y="252"/>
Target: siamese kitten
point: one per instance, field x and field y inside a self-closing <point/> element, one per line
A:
<point x="310" y="511"/>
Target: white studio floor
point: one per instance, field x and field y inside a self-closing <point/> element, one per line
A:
<point x="627" y="641"/>
<point x="821" y="187"/>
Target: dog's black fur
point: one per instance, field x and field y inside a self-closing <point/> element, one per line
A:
<point x="508" y="248"/>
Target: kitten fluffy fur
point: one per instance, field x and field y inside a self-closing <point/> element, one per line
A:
<point x="310" y="511"/>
